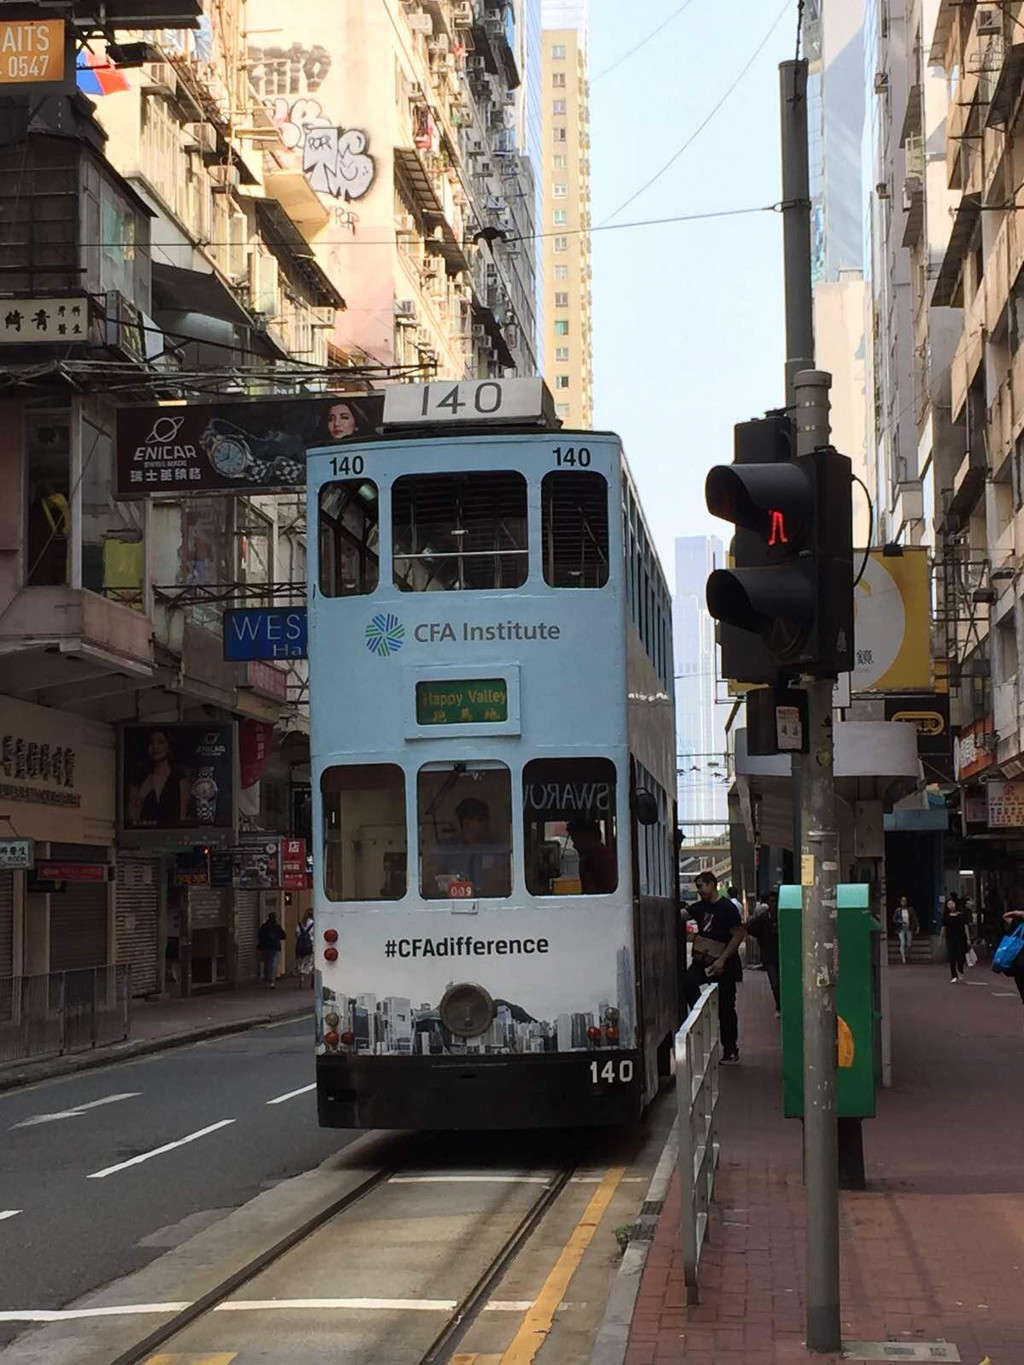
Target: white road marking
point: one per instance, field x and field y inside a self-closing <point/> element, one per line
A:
<point x="403" y="1305"/>
<point x="71" y="1314"/>
<point x="158" y="1151"/>
<point x="8" y="1213"/>
<point x="508" y="1305"/>
<point x="1003" y="995"/>
<point x="74" y="1113"/>
<point x="280" y="1099"/>
<point x="471" y="1180"/>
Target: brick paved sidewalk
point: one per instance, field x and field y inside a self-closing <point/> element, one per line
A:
<point x="932" y="1251"/>
<point x="254" y="1003"/>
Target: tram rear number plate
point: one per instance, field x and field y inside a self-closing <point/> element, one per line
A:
<point x="612" y="1072"/>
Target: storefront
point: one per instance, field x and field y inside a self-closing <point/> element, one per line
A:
<point x="57" y="788"/>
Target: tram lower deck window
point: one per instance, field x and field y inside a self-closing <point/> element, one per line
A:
<point x="569" y="813"/>
<point x="574" y="528"/>
<point x="465" y="830"/>
<point x="365" y="843"/>
<point x="457" y="532"/>
<point x="348" y="538"/>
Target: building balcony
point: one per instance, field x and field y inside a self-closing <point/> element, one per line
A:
<point x="967" y="359"/>
<point x="435" y="199"/>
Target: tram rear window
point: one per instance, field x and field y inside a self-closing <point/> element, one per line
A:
<point x="465" y="830"/>
<point x="457" y="532"/>
<point x="574" y="528"/>
<point x="349" y="533"/>
<point x="365" y="844"/>
<point x="569" y="812"/>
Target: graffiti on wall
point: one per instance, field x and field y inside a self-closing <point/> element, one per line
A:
<point x="335" y="159"/>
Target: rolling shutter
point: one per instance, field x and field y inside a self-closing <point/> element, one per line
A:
<point x="6" y="923"/>
<point x="138" y="910"/>
<point x="247" y="921"/>
<point x="78" y="926"/>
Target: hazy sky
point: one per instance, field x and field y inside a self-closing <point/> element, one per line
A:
<point x="688" y="325"/>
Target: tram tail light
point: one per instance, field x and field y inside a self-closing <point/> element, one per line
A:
<point x="331" y="1039"/>
<point x="330" y="935"/>
<point x="331" y="954"/>
<point x="612" y="1034"/>
<point x="594" y="1034"/>
<point x="348" y="1038"/>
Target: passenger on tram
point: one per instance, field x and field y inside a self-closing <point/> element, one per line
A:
<point x="598" y="870"/>
<point x="476" y="857"/>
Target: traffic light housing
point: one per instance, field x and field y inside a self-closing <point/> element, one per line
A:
<point x="791" y="583"/>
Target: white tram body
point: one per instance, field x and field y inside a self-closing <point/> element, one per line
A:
<point x="497" y="927"/>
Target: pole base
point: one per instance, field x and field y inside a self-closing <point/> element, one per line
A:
<point x="824" y="1332"/>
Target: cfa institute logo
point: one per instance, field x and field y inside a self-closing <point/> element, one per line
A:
<point x="385" y="635"/>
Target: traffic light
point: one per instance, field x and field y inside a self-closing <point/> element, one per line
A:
<point x="791" y="586"/>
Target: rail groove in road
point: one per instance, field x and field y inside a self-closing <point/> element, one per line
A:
<point x="459" y="1313"/>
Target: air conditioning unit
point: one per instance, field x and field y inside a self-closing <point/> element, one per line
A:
<point x="989" y="21"/>
<point x="882" y="190"/>
<point x="124" y="334"/>
<point x="405" y="222"/>
<point x="225" y="178"/>
<point x="405" y="312"/>
<point x="462" y="14"/>
<point x="438" y="43"/>
<point x="881" y="82"/>
<point x="476" y="147"/>
<point x="479" y="332"/>
<point x="159" y="79"/>
<point x="264" y="284"/>
<point x="476" y="65"/>
<point x="482" y="168"/>
<point x="420" y="23"/>
<point x="201" y="136"/>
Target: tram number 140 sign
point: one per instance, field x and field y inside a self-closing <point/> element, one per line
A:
<point x="523" y="401"/>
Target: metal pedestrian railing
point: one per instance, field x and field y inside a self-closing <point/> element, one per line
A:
<point x="697" y="1052"/>
<point x="42" y="1016"/>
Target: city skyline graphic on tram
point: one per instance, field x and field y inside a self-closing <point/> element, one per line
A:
<point x="395" y="1025"/>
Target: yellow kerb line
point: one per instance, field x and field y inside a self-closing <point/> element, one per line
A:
<point x="173" y="1358"/>
<point x="537" y="1323"/>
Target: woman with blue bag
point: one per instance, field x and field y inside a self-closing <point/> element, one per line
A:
<point x="1009" y="956"/>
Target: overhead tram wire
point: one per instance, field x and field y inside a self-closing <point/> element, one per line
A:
<point x="642" y="43"/>
<point x="702" y="125"/>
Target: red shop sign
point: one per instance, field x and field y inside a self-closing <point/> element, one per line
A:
<point x="71" y="872"/>
<point x="293" y="864"/>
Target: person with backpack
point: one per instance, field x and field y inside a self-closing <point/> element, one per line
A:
<point x="304" y="949"/>
<point x="269" y="941"/>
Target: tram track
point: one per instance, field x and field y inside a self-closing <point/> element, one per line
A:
<point x="459" y="1319"/>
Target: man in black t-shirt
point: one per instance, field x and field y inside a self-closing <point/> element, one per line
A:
<point x="715" y="957"/>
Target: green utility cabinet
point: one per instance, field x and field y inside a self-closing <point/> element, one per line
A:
<point x="858" y="1002"/>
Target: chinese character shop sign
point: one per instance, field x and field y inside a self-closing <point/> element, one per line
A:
<point x="31" y="51"/>
<point x="1005" y="805"/>
<point x="30" y="322"/>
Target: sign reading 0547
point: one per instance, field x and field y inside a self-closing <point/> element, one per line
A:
<point x="474" y="701"/>
<point x="31" y="51"/>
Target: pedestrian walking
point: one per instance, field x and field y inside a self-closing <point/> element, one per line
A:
<point x="269" y="941"/>
<point x="905" y="922"/>
<point x="715" y="959"/>
<point x="1013" y="919"/>
<point x="304" y="949"/>
<point x="763" y="927"/>
<point x="955" y="929"/>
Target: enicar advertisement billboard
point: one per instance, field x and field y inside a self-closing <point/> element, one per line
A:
<point x="178" y="777"/>
<point x="237" y="447"/>
<point x="554" y="976"/>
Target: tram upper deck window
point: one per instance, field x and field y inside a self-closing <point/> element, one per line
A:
<point x="460" y="532"/>
<point x="349" y="538"/>
<point x="569" y="813"/>
<point x="465" y="830"/>
<point x="365" y="843"/>
<point x="574" y="529"/>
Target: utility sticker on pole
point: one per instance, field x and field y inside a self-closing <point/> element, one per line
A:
<point x="807" y="869"/>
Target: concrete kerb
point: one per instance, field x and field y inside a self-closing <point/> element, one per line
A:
<point x="613" y="1334"/>
<point x="49" y="1068"/>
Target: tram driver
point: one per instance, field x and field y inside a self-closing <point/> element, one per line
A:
<point x="475" y="857"/>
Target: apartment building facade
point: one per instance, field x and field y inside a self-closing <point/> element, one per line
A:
<point x="565" y="220"/>
<point x="180" y="231"/>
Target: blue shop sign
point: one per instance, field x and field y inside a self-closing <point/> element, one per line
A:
<point x="265" y="633"/>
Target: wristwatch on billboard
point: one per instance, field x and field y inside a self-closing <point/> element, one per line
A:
<point x="205" y="793"/>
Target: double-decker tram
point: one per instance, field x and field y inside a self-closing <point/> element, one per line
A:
<point x="493" y="771"/>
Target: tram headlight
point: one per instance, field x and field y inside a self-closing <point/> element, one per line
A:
<point x="332" y="1020"/>
<point x="466" y="1010"/>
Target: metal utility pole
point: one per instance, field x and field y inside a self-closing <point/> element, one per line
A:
<point x="813" y="773"/>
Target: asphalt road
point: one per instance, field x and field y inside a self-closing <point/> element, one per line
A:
<point x="85" y="1196"/>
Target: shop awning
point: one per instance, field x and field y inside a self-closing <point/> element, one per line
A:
<point x="295" y="254"/>
<point x="968" y="213"/>
<point x="178" y="290"/>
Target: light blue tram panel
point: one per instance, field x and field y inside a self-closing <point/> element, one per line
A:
<point x="493" y="761"/>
